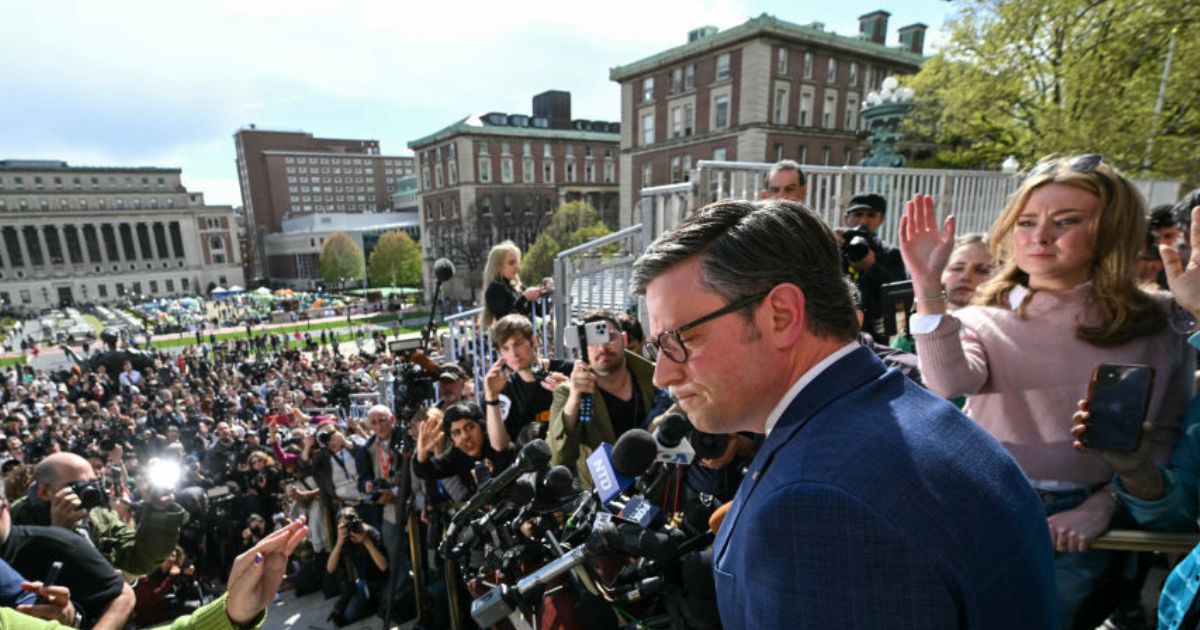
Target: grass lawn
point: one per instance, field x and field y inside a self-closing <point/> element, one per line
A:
<point x="4" y="363"/>
<point x="190" y="340"/>
<point x="94" y="322"/>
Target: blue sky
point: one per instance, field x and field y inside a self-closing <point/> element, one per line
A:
<point x="144" y="83"/>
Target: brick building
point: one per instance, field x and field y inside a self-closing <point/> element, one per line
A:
<point x="96" y="234"/>
<point x="285" y="174"/>
<point x="491" y="177"/>
<point x="758" y="92"/>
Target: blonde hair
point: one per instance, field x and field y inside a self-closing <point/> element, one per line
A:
<point x="1117" y="232"/>
<point x="491" y="273"/>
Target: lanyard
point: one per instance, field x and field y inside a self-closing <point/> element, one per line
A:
<point x="385" y="459"/>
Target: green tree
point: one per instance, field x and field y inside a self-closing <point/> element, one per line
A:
<point x="341" y="258"/>
<point x="1033" y="77"/>
<point x="396" y="260"/>
<point x="574" y="223"/>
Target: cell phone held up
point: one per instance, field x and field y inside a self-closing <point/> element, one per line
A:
<point x="1118" y="399"/>
<point x="580" y="336"/>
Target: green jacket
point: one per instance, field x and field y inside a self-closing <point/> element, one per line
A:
<point x="210" y="617"/>
<point x="135" y="552"/>
<point x="571" y="449"/>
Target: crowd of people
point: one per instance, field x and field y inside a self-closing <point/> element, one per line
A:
<point x="858" y="495"/>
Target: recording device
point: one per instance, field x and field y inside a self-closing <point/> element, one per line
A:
<point x="539" y="373"/>
<point x="534" y="456"/>
<point x="607" y="477"/>
<point x="91" y="493"/>
<point x="547" y="286"/>
<point x="354" y="524"/>
<point x="857" y="242"/>
<point x="671" y="438"/>
<point x="323" y="438"/>
<point x="52" y="574"/>
<point x="1118" y="398"/>
<point x="897" y="300"/>
<point x="592" y="334"/>
<point x="443" y="270"/>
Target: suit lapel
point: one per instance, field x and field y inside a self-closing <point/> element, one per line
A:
<point x="848" y="373"/>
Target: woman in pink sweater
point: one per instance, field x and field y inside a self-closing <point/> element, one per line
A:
<point x="1063" y="300"/>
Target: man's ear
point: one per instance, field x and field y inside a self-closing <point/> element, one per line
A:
<point x="783" y="315"/>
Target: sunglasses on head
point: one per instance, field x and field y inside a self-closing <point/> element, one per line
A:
<point x="1082" y="164"/>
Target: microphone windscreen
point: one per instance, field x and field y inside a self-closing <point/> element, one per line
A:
<point x="634" y="452"/>
<point x="558" y="482"/>
<point x="673" y="429"/>
<point x="521" y="492"/>
<point x="443" y="269"/>
<point x="536" y="454"/>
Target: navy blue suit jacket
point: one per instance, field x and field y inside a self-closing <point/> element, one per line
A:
<point x="875" y="504"/>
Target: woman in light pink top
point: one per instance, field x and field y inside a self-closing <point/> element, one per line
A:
<point x="1064" y="299"/>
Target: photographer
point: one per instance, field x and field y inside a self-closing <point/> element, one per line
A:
<point x="360" y="546"/>
<point x="621" y="386"/>
<point x="67" y="494"/>
<point x="260" y="484"/>
<point x="523" y="398"/>
<point x="868" y="261"/>
<point x="336" y="470"/>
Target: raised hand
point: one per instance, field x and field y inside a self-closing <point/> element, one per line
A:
<point x="924" y="247"/>
<point x="257" y="573"/>
<point x="1184" y="282"/>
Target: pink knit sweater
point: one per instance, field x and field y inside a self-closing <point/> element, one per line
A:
<point x="1025" y="376"/>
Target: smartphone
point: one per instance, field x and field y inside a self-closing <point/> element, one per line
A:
<point x="52" y="574"/>
<point x="593" y="334"/>
<point x="1118" y="398"/>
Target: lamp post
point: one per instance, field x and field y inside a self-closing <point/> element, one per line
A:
<point x="882" y="112"/>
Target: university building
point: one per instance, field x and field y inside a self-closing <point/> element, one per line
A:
<point x="759" y="92"/>
<point x="286" y="174"/>
<point x="495" y="176"/>
<point x="96" y="234"/>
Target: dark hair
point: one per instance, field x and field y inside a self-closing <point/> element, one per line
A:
<point x="1163" y="216"/>
<point x="631" y="326"/>
<point x="747" y="248"/>
<point x="461" y="411"/>
<point x="508" y="326"/>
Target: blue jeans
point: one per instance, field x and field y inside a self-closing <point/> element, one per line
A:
<point x="1075" y="574"/>
<point x="365" y="600"/>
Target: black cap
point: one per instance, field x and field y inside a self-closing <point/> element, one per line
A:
<point x="870" y="202"/>
<point x="452" y="372"/>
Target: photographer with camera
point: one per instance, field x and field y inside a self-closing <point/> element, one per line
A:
<point x="357" y="558"/>
<point x="335" y="468"/>
<point x="66" y="493"/>
<point x="869" y="261"/>
<point x="621" y="386"/>
<point x="519" y="387"/>
<point x="220" y="462"/>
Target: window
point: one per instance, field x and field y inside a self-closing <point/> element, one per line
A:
<point x="647" y="174"/>
<point x="453" y="172"/>
<point x="851" y="112"/>
<point x="808" y="65"/>
<point x="831" y="70"/>
<point x="608" y="173"/>
<point x="689" y="76"/>
<point x="825" y="156"/>
<point x="719" y="154"/>
<point x="802" y="154"/>
<point x="505" y="148"/>
<point x="527" y="170"/>
<point x="676" y="121"/>
<point x="722" y="66"/>
<point x="570" y="171"/>
<point x="781" y="105"/>
<point x="647" y="89"/>
<point x="547" y="172"/>
<point x="846" y="157"/>
<point x="647" y="129"/>
<point x="506" y="170"/>
<point x="437" y="174"/>
<point x="778" y="152"/>
<point x="687" y="168"/>
<point x="483" y="147"/>
<point x="677" y="80"/>
<point x="485" y="170"/>
<point x="570" y="150"/>
<point x="546" y="150"/>
<point x="154" y="286"/>
<point x="102" y="290"/>
<point x="852" y="75"/>
<point x="721" y="112"/>
<point x="781" y="60"/>
<point x="828" y="118"/>
<point x="689" y="115"/>
<point x="676" y="175"/>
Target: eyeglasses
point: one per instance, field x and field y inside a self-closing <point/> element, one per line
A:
<point x="1082" y="164"/>
<point x="671" y="345"/>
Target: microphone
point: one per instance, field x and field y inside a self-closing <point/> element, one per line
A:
<point x="443" y="269"/>
<point x="672" y="442"/>
<point x="606" y="476"/>
<point x="634" y="453"/>
<point x="534" y="456"/>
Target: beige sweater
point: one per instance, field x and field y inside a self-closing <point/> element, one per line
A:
<point x="1024" y="377"/>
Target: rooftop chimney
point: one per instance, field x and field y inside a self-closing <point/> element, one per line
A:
<point x="554" y="106"/>
<point x="701" y="33"/>
<point x="912" y="37"/>
<point x="874" y="26"/>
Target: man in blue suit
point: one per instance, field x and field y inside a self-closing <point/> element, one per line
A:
<point x="872" y="503"/>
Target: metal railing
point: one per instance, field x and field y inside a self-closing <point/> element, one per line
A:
<point x="470" y="344"/>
